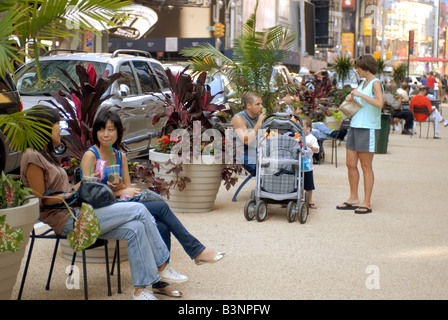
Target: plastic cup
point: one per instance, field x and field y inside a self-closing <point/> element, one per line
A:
<point x="90" y="179"/>
<point x="113" y="173"/>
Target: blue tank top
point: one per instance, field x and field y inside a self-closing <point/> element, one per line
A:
<point x="107" y="171"/>
<point x="368" y="117"/>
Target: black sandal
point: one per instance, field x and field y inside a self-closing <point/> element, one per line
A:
<point x="348" y="206"/>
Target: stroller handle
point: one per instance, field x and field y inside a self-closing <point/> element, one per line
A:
<point x="283" y="115"/>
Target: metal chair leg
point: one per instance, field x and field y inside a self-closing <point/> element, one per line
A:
<point x="27" y="263"/>
<point x="56" y="245"/>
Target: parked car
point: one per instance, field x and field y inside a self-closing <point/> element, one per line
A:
<point x="9" y="103"/>
<point x="139" y="83"/>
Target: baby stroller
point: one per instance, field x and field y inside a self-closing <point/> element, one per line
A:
<point x="279" y="174"/>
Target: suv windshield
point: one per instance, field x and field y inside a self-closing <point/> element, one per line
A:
<point x="52" y="77"/>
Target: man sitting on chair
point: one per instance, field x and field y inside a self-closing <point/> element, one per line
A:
<point x="422" y="100"/>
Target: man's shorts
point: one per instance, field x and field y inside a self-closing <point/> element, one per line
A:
<point x="362" y="140"/>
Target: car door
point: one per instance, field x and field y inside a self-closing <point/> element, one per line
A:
<point x="135" y="88"/>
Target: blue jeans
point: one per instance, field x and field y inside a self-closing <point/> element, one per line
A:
<point x="168" y="223"/>
<point x="132" y="221"/>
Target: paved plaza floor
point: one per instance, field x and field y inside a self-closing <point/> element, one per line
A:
<point x="399" y="251"/>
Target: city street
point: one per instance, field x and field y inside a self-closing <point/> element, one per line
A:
<point x="399" y="251"/>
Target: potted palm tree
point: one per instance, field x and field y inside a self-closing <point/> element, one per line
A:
<point x="194" y="169"/>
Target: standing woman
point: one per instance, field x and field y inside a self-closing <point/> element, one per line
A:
<point x="363" y="135"/>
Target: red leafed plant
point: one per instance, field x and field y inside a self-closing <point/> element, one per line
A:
<point x="80" y="103"/>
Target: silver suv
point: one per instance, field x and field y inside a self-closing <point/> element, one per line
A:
<point x="139" y="84"/>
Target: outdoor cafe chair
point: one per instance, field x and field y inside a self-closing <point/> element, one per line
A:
<point x="49" y="234"/>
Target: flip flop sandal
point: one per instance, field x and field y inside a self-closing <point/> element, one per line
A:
<point x="312" y="206"/>
<point x="363" y="210"/>
<point x="348" y="206"/>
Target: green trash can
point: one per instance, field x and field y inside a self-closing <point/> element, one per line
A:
<point x="383" y="139"/>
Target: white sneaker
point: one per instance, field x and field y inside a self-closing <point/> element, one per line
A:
<point x="145" y="295"/>
<point x="436" y="136"/>
<point x="170" y="275"/>
<point x="445" y="123"/>
<point x="396" y="128"/>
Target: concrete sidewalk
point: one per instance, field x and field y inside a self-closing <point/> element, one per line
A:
<point x="400" y="251"/>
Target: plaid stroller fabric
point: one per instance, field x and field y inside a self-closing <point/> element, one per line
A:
<point x="279" y="173"/>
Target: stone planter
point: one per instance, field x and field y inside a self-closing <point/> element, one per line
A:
<point x="24" y="217"/>
<point x="199" y="194"/>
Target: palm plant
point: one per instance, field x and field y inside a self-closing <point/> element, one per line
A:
<point x="342" y="66"/>
<point x="255" y="55"/>
<point x="381" y="66"/>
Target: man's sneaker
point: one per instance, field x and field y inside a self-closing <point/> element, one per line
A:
<point x="445" y="123"/>
<point x="172" y="276"/>
<point x="436" y="136"/>
<point x="145" y="295"/>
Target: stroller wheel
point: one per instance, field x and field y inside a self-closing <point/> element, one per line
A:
<point x="249" y="210"/>
<point x="303" y="212"/>
<point x="291" y="211"/>
<point x="261" y="211"/>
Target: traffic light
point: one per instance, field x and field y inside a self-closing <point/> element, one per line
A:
<point x="219" y="30"/>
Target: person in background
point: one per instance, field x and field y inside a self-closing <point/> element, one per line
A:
<point x="434" y="115"/>
<point x="430" y="82"/>
<point x="147" y="253"/>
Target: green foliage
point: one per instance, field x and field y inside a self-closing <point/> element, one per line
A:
<point x="23" y="131"/>
<point x="381" y="65"/>
<point x="254" y="56"/>
<point x="10" y="239"/>
<point x="342" y="66"/>
<point x="45" y="19"/>
<point x="86" y="230"/>
<point x="11" y="192"/>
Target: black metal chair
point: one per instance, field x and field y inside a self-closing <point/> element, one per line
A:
<point x="49" y="234"/>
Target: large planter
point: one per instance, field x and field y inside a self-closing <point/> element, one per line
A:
<point x="24" y="217"/>
<point x="200" y="194"/>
